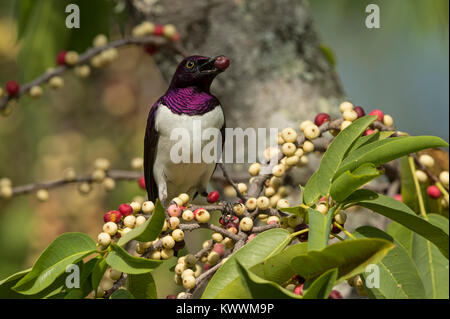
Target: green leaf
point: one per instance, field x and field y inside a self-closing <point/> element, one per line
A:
<point x="349" y="256"/>
<point x="386" y="150"/>
<point x="311" y="192"/>
<point x="98" y="272"/>
<point x="142" y="286"/>
<point x="252" y="253"/>
<point x="408" y="189"/>
<point x="365" y="140"/>
<point x="149" y="230"/>
<point x="398" y="276"/>
<point x="322" y="286"/>
<point x="399" y="212"/>
<point x="360" y="195"/>
<point x="260" y="288"/>
<point x="121" y="294"/>
<point x="67" y="249"/>
<point x="336" y="151"/>
<point x="319" y="228"/>
<point x="296" y="210"/>
<point x="348" y="182"/>
<point x="119" y="259"/>
<point x="85" y="282"/>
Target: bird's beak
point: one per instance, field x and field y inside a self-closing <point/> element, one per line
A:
<point x="214" y="65"/>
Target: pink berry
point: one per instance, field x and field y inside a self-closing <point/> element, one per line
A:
<point x="369" y="132"/>
<point x="433" y="191"/>
<point x="61" y="58"/>
<point x="213" y="197"/>
<point x="251" y="237"/>
<point x="298" y="290"/>
<point x="174" y="210"/>
<point x="125" y="209"/>
<point x="334" y="294"/>
<point x="141" y="182"/>
<point x="12" y="88"/>
<point x="206" y="267"/>
<point x="159" y="29"/>
<point x="379" y="114"/>
<point x="112" y="216"/>
<point x="321" y="118"/>
<point x="219" y="248"/>
<point x="176" y="37"/>
<point x="398" y="197"/>
<point x="360" y="111"/>
<point x="222" y="63"/>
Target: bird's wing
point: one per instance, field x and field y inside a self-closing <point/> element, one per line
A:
<point x="150" y="143"/>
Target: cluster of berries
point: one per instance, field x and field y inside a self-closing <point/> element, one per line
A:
<point x="433" y="190"/>
<point x="147" y="28"/>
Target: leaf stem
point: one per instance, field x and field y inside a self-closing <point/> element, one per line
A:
<point x="345" y="231"/>
<point x="443" y="190"/>
<point x="417" y="186"/>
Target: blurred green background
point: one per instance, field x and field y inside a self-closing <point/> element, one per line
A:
<point x="401" y="67"/>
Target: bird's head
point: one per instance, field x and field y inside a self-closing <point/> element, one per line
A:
<point x="199" y="71"/>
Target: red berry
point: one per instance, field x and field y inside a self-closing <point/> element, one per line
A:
<point x="12" y="88"/>
<point x="369" y="131"/>
<point x="176" y="37"/>
<point x="222" y="222"/>
<point x="398" y="197"/>
<point x="219" y="248"/>
<point x="198" y="210"/>
<point x="321" y="118"/>
<point x="298" y="290"/>
<point x="334" y="294"/>
<point x="141" y="182"/>
<point x="171" y="297"/>
<point x="125" y="209"/>
<point x="151" y="49"/>
<point x="360" y="111"/>
<point x="174" y="210"/>
<point x="213" y="197"/>
<point x="61" y="58"/>
<point x="112" y="216"/>
<point x="222" y="63"/>
<point x="433" y="191"/>
<point x="206" y="267"/>
<point x="159" y="29"/>
<point x="379" y="114"/>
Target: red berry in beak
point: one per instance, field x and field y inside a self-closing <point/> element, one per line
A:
<point x="12" y="88"/>
<point x="321" y="118"/>
<point x="379" y="114"/>
<point x="125" y="209"/>
<point x="213" y="197"/>
<point x="141" y="182"/>
<point x="112" y="216"/>
<point x="222" y="63"/>
<point x="360" y="111"/>
<point x="433" y="191"/>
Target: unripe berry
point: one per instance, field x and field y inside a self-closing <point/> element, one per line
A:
<point x="433" y="191"/>
<point x="239" y="209"/>
<point x="71" y="58"/>
<point x="125" y="209"/>
<point x="213" y="258"/>
<point x="321" y="118"/>
<point x="340" y="218"/>
<point x="114" y="274"/>
<point x="69" y="174"/>
<point x="112" y="216"/>
<point x="201" y="215"/>
<point x="305" y="124"/>
<point x="388" y="120"/>
<point x="179" y="268"/>
<point x="106" y="283"/>
<point x="278" y="170"/>
<point x="140" y="220"/>
<point x="1" y="92"/>
<point x="184" y="198"/>
<point x="379" y="114"/>
<point x="444" y="178"/>
<point x="174" y="222"/>
<point x="35" y="92"/>
<point x="251" y="203"/>
<point x="350" y="115"/>
<point x="275" y="181"/>
<point x="345" y="106"/>
<point x="421" y="176"/>
<point x="110" y="228"/>
<point x="311" y="132"/>
<point x="254" y="169"/>
<point x="98" y="175"/>
<point x="100" y="40"/>
<point x="229" y="191"/>
<point x="262" y="203"/>
<point x="269" y="191"/>
<point x="148" y="207"/>
<point x="129" y="221"/>
<point x="169" y="31"/>
<point x="136" y="206"/>
<point x="345" y="124"/>
<point x="165" y="225"/>
<point x="228" y="242"/>
<point x="242" y="187"/>
<point x="6" y="192"/>
<point x="147" y="28"/>
<point x="307" y="147"/>
<point x="188" y="272"/>
<point x="104" y="239"/>
<point x="189" y="282"/>
<point x="109" y="184"/>
<point x="273" y="220"/>
<point x="168" y="242"/>
<point x="166" y="253"/>
<point x="299" y="151"/>
<point x="217" y="237"/>
<point x="188" y="215"/>
<point x="292" y="160"/>
<point x="232" y="228"/>
<point x="360" y="111"/>
<point x="288" y="149"/>
<point x="125" y="231"/>
<point x="156" y="255"/>
<point x="280" y="139"/>
<point x="42" y="195"/>
<point x="174" y="210"/>
<point x="283" y="203"/>
<point x="213" y="197"/>
<point x="274" y="200"/>
<point x="56" y="82"/>
<point x="322" y="208"/>
<point x="426" y="160"/>
<point x="178" y="235"/>
<point x="246" y="224"/>
<point x="271" y="153"/>
<point x="289" y="135"/>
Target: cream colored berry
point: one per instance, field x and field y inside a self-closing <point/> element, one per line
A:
<point x="181" y="260"/>
<point x="311" y="132"/>
<point x="203" y="216"/>
<point x="345" y="106"/>
<point x="206" y="243"/>
<point x="42" y="195"/>
<point x="278" y="170"/>
<point x="228" y="242"/>
<point x="6" y="192"/>
<point x="229" y="191"/>
<point x="140" y="220"/>
<point x="280" y="139"/>
<point x="263" y="203"/>
<point x="283" y="203"/>
<point x="305" y="124"/>
<point x="36" y="92"/>
<point x="197" y="271"/>
<point x="72" y="57"/>
<point x="56" y="82"/>
<point x="303" y="161"/>
<point x="102" y="163"/>
<point x="106" y="283"/>
<point x="184" y="199"/>
<point x="166" y="253"/>
<point x="97" y="61"/>
<point x="322" y="208"/>
<point x="188" y="215"/>
<point x="299" y="151"/>
<point x="189" y="282"/>
<point x="292" y="160"/>
<point x="114" y="274"/>
<point x="284" y="191"/>
<point x="69" y="174"/>
<point x="340" y="218"/>
<point x="188" y="272"/>
<point x="5" y="182"/>
<point x="289" y="135"/>
<point x="345" y="124"/>
<point x="178" y="235"/>
<point x="174" y="222"/>
<point x="129" y="221"/>
<point x="427" y="160"/>
<point x="217" y="237"/>
<point x="1" y="92"/>
<point x="308" y="147"/>
<point x="165" y="225"/>
<point x="100" y="40"/>
<point x="246" y="224"/>
<point x="254" y="169"/>
<point x="242" y="187"/>
<point x="421" y="176"/>
<point x="350" y="115"/>
<point x="179" y="268"/>
<point x="239" y="209"/>
<point x="137" y="163"/>
<point x="109" y="184"/>
<point x="110" y="228"/>
<point x="275" y="182"/>
<point x="109" y="55"/>
<point x="82" y="71"/>
<point x="84" y="188"/>
<point x="274" y="200"/>
<point x="148" y="207"/>
<point x="444" y="178"/>
<point x="168" y="242"/>
<point x="169" y="31"/>
<point x="136" y="206"/>
<point x="98" y="175"/>
<point x="147" y="27"/>
<point x="288" y="149"/>
<point x="139" y="199"/>
<point x="104" y="239"/>
<point x="273" y="220"/>
<point x="251" y="203"/>
<point x="388" y="120"/>
<point x="269" y="191"/>
<point x="125" y="231"/>
<point x="271" y="152"/>
<point x="213" y="258"/>
<point x="156" y="255"/>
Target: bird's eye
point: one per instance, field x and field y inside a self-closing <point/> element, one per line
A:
<point x="190" y="64"/>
